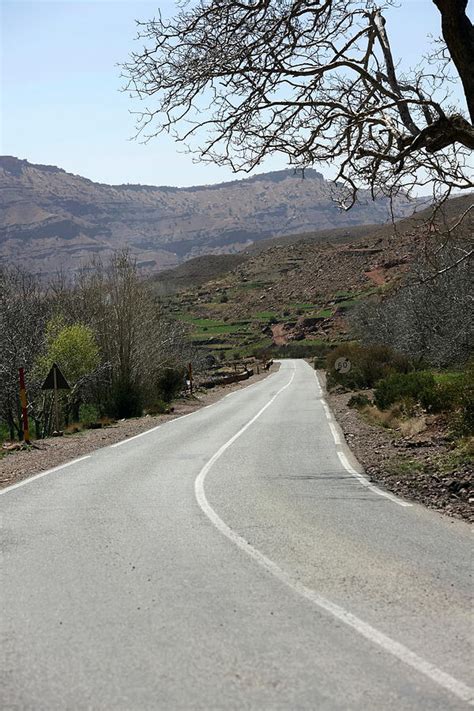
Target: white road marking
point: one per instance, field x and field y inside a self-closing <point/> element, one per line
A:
<point x="334" y="432"/>
<point x="119" y="444"/>
<point x="405" y="655"/>
<point x="365" y="482"/>
<point x="345" y="462"/>
<point x="326" y="409"/>
<point x="181" y="417"/>
<point x="153" y="429"/>
<point x="41" y="474"/>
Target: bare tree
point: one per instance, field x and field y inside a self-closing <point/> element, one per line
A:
<point x="23" y="312"/>
<point x="315" y="80"/>
<point x="430" y="315"/>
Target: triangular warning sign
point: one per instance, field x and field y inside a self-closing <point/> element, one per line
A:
<point x="61" y="382"/>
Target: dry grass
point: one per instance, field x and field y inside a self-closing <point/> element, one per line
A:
<point x="394" y="419"/>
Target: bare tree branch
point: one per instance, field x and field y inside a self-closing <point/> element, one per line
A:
<point x="316" y="81"/>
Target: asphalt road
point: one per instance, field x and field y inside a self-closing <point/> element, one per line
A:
<point x="232" y="559"/>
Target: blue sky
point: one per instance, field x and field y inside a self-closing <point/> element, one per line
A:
<point x="61" y="103"/>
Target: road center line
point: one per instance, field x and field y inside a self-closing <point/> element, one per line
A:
<point x="41" y="474"/>
<point x="405" y="655"/>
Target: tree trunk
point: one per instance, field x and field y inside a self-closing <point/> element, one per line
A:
<point x="458" y="33"/>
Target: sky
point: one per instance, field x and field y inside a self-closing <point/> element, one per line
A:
<point x="60" y="88"/>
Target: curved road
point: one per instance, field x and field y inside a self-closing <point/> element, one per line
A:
<point x="232" y="559"/>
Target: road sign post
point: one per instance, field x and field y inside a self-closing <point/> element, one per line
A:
<point x="55" y="381"/>
<point x="56" y="408"/>
<point x="190" y="373"/>
<point x="24" y="411"/>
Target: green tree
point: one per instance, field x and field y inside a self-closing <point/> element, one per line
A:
<point x="73" y="348"/>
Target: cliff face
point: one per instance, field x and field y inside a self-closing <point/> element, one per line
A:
<point x="54" y="220"/>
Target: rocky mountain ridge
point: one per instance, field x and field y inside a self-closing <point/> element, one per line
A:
<point x="51" y="219"/>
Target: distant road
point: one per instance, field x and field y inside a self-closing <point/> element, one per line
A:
<point x="232" y="559"/>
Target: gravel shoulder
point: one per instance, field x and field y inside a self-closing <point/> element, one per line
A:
<point x="53" y="451"/>
<point x="424" y="468"/>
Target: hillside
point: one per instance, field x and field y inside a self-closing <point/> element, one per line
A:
<point x="301" y="291"/>
<point x="195" y="272"/>
<point x="51" y="219"/>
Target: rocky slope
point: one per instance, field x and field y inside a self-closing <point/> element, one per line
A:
<point x="304" y="288"/>
<point x="51" y="219"/>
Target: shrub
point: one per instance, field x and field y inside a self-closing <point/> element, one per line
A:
<point x="462" y="420"/>
<point x="403" y="387"/>
<point x="169" y="384"/>
<point x="462" y="417"/>
<point x="126" y="399"/>
<point x="88" y="414"/>
<point x="156" y="407"/>
<point x="358" y="401"/>
<point x="454" y="397"/>
<point x="439" y="398"/>
<point x="369" y="364"/>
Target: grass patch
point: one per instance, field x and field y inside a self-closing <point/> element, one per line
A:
<point x="248" y="285"/>
<point x="324" y="313"/>
<point x="4" y="433"/>
<point x="348" y="304"/>
<point x="304" y="306"/>
<point x="449" y="377"/>
<point x="404" y="466"/>
<point x="265" y="315"/>
<point x="201" y="322"/>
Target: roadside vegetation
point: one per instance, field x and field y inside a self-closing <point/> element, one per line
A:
<point x="406" y="401"/>
<point x="106" y="331"/>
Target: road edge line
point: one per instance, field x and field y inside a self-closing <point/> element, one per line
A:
<point x="27" y="480"/>
<point x="341" y="443"/>
<point x="396" y="649"/>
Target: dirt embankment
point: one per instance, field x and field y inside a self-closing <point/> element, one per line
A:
<point x="54" y="451"/>
<point x="425" y="467"/>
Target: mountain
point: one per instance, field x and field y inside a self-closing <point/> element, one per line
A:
<point x="300" y="289"/>
<point x="51" y="219"/>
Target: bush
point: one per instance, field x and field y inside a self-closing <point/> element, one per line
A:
<point x="358" y="401"/>
<point x="126" y="400"/>
<point x="439" y="398"/>
<point x="300" y="349"/>
<point x="462" y="420"/>
<point x="169" y="384"/>
<point x="88" y="414"/>
<point x="369" y="364"/>
<point x="157" y="407"/>
<point x="402" y="387"/>
<point x="453" y="397"/>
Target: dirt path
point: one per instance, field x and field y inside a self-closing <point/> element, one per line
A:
<point x="278" y="334"/>
<point x="53" y="451"/>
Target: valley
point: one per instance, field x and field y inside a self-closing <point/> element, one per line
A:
<point x="294" y="293"/>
